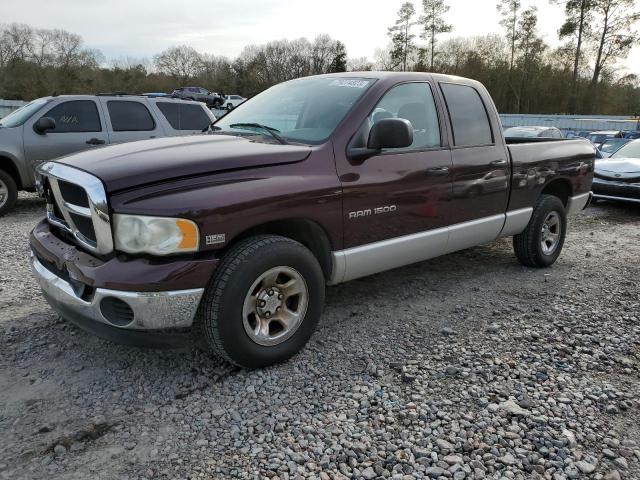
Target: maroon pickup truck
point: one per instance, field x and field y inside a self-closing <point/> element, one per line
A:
<point x="233" y="235"/>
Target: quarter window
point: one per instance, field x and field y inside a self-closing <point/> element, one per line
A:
<point x="75" y="116"/>
<point x="413" y="102"/>
<point x="469" y="118"/>
<point x="183" y="116"/>
<point x="129" y="116"/>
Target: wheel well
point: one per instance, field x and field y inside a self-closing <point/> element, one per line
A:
<point x="559" y="188"/>
<point x="8" y="166"/>
<point x="307" y="232"/>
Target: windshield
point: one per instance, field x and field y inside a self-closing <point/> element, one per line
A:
<point x="18" y="117"/>
<point x="612" y="145"/>
<point x="306" y="110"/>
<point x="630" y="150"/>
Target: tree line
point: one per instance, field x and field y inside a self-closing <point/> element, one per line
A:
<point x="523" y="73"/>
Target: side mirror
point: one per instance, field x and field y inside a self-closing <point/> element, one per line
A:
<point x="385" y="133"/>
<point x="390" y="133"/>
<point x="43" y="125"/>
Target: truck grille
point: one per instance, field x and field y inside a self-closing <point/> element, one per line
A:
<point x="77" y="204"/>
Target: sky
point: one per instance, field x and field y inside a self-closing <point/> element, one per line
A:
<point x="142" y="28"/>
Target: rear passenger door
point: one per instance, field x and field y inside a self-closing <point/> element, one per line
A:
<point x="129" y="120"/>
<point x="481" y="168"/>
<point x="79" y="126"/>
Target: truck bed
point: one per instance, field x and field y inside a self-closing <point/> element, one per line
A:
<point x="535" y="160"/>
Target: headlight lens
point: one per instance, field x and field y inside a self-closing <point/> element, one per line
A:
<point x="155" y="235"/>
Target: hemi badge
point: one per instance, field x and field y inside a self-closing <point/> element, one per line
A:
<point x="215" y="239"/>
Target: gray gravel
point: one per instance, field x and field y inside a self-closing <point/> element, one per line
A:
<point x="467" y="366"/>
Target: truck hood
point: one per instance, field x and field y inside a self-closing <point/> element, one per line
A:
<point x="134" y="164"/>
<point x="618" y="168"/>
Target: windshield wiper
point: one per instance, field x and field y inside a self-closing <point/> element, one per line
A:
<point x="270" y="130"/>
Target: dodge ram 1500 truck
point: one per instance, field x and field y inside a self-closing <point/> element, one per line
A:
<point x="233" y="235"/>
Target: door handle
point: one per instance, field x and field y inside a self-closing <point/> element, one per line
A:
<point x="438" y="171"/>
<point x="95" y="141"/>
<point x="498" y="163"/>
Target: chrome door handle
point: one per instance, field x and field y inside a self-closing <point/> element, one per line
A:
<point x="438" y="171"/>
<point x="498" y="163"/>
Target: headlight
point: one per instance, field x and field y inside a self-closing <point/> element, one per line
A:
<point x="154" y="235"/>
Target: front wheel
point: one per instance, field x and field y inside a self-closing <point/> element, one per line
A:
<point x="541" y="242"/>
<point x="263" y="303"/>
<point x="8" y="192"/>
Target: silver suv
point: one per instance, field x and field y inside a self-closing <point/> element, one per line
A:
<point x="51" y="127"/>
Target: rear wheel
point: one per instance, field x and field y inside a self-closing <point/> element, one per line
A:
<point x="8" y="192"/>
<point x="541" y="242"/>
<point x="263" y="303"/>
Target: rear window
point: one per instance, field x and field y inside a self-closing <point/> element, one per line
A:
<point x="127" y="116"/>
<point x="469" y="118"/>
<point x="184" y="116"/>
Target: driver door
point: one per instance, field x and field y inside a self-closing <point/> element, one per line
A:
<point x="79" y="126"/>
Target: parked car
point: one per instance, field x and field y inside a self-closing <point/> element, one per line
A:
<point x="316" y="181"/>
<point x="533" y="132"/>
<point x="52" y="127"/>
<point x="232" y="101"/>
<point x="611" y="145"/>
<point x="632" y="135"/>
<point x="618" y="177"/>
<point x="199" y="94"/>
<point x="598" y="138"/>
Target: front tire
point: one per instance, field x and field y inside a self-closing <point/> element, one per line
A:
<point x="8" y="192"/>
<point x="263" y="303"/>
<point x="540" y="244"/>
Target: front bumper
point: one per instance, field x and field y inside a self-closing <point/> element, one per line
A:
<point x="616" y="190"/>
<point x="122" y="300"/>
<point x="147" y="310"/>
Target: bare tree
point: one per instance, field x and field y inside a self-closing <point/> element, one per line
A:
<point x="510" y="12"/>
<point x="613" y="32"/>
<point x="433" y="23"/>
<point x="401" y="35"/>
<point x="359" y="64"/>
<point x="180" y="62"/>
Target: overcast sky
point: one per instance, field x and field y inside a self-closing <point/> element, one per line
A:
<point x="142" y="28"/>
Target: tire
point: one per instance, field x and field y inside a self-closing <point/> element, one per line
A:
<point x="229" y="313"/>
<point x="229" y="106"/>
<point x="548" y="224"/>
<point x="8" y="192"/>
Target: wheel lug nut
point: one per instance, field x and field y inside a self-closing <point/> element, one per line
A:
<point x="267" y="314"/>
<point x="280" y="297"/>
<point x="262" y="303"/>
<point x="278" y="309"/>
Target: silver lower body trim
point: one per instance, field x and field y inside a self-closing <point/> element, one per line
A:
<point x="516" y="221"/>
<point x="578" y="203"/>
<point x="151" y="310"/>
<point x="378" y="257"/>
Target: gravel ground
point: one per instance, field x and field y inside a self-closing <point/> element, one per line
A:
<point x="466" y="366"/>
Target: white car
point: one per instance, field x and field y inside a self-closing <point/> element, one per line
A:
<point x="232" y="101"/>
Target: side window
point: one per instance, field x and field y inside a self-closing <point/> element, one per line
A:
<point x="469" y="118"/>
<point x="170" y="112"/>
<point x="413" y="102"/>
<point x="192" y="117"/>
<point x="75" y="116"/>
<point x="184" y="116"/>
<point x="129" y="116"/>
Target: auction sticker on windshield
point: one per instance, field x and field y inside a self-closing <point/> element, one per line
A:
<point x="349" y="83"/>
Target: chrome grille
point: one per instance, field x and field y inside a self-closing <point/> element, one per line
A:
<point x="77" y="203"/>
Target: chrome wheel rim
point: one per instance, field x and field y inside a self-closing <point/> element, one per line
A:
<point x="4" y="194"/>
<point x="551" y="229"/>
<point x="275" y="306"/>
